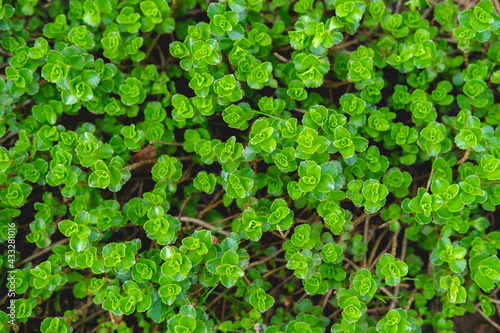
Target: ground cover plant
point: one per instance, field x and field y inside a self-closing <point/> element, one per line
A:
<point x="249" y="166"/>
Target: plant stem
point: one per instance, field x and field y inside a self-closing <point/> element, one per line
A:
<point x="465" y="157"/>
<point x="377" y="243"/>
<point x="151" y="47"/>
<point x="394" y="243"/>
<point x="327" y="297"/>
<point x="180" y="144"/>
<point x="262" y="261"/>
<point x="365" y="237"/>
<point x="410" y="300"/>
<point x="478" y="308"/>
<point x="43" y="251"/>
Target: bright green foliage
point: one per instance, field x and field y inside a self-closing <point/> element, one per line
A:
<point x="331" y="253"/>
<point x="263" y="137"/>
<point x="311" y="69"/>
<point x="350" y="13"/>
<point x="56" y="325"/>
<point x="80" y="88"/>
<point x="132" y="92"/>
<point x="41" y="274"/>
<point x="374" y="194"/>
<point x="201" y="83"/>
<point x="450" y="253"/>
<point x="228" y="90"/>
<point x="449" y="194"/>
<point x="300" y="237"/>
<point x="391" y="269"/>
<point x="236" y="116"/>
<point x="197" y="245"/>
<point x="205" y="182"/>
<point x="260" y="76"/>
<point x="456" y="293"/>
<point x="120" y="256"/>
<point x="315" y="285"/>
<point x="394" y="321"/>
<point x="227" y="267"/>
<point x="160" y="227"/>
<point x="260" y="300"/>
<point x="78" y="232"/>
<point x="485" y="270"/>
<point x="309" y="143"/>
<point x="143" y="270"/>
<point x="239" y="184"/>
<point x="433" y="139"/>
<point x="346" y="144"/>
<point x="15" y="194"/>
<point x="167" y="169"/>
<point x="472" y="135"/>
<point x="424" y="205"/>
<point x="133" y="299"/>
<point x="182" y="108"/>
<point x="280" y="214"/>
<point x="361" y="63"/>
<point x="300" y="264"/>
<point x="397" y="182"/>
<point x="352" y="307"/>
<point x="252" y="224"/>
<point x="471" y="193"/>
<point x="188" y="320"/>
<point x="176" y="265"/>
<point x="315" y="178"/>
<point x="364" y="284"/>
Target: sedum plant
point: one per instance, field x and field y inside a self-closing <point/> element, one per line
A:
<point x="249" y="166"/>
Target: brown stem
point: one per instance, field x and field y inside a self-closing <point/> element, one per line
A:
<point x="394" y="243"/>
<point x="339" y="310"/>
<point x="465" y="157"/>
<point x="365" y="237"/>
<point x="180" y="144"/>
<point x="211" y="205"/>
<point x="497" y="6"/>
<point x="335" y="84"/>
<point x="352" y="263"/>
<point x="344" y="45"/>
<point x="95" y="314"/>
<point x="89" y="303"/>
<point x="403" y="255"/>
<point x="377" y="243"/>
<point x="386" y="291"/>
<point x="374" y="262"/>
<point x="185" y="203"/>
<point x="398" y="6"/>
<point x="203" y="224"/>
<point x="410" y="300"/>
<point x="43" y="251"/>
<point x="274" y="271"/>
<point x="281" y="58"/>
<point x="327" y="297"/>
<point x="263" y="261"/>
<point x="383" y="225"/>
<point x="362" y="218"/>
<point x="151" y="47"/>
<point x="478" y="308"/>
<point x="429" y="181"/>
